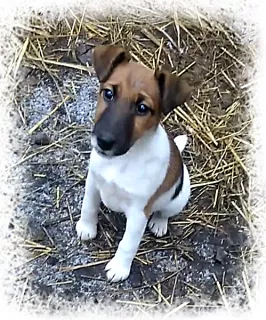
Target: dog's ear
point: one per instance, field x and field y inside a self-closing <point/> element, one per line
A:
<point x="107" y="57"/>
<point x="173" y="90"/>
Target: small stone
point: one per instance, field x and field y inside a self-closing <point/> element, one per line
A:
<point x="52" y="261"/>
<point x="221" y="255"/>
<point x="135" y="277"/>
<point x="85" y="58"/>
<point x="227" y="100"/>
<point x="84" y="53"/>
<point x="34" y="231"/>
<point x="177" y="231"/>
<point x="11" y="226"/>
<point x="41" y="139"/>
<point x="82" y="48"/>
<point x="32" y="80"/>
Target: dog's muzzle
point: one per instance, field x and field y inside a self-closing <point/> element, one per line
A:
<point x="113" y="130"/>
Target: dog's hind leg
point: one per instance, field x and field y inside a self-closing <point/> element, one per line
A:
<point x="158" y="224"/>
<point x="159" y="221"/>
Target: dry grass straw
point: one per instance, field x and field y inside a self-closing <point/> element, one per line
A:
<point x="217" y="121"/>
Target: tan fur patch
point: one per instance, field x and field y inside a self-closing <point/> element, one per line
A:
<point x="101" y="105"/>
<point x="172" y="175"/>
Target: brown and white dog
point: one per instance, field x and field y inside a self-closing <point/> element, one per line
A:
<point x="135" y="167"/>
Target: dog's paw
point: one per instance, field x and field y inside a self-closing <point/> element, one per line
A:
<point x="158" y="225"/>
<point x="86" y="231"/>
<point x="116" y="270"/>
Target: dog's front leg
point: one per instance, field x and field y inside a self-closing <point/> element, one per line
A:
<point x="118" y="268"/>
<point x="87" y="225"/>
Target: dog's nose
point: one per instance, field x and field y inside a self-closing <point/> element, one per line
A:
<point x="105" y="143"/>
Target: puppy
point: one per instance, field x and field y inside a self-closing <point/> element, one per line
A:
<point x="135" y="167"/>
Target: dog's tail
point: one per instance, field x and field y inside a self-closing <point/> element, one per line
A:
<point x="181" y="142"/>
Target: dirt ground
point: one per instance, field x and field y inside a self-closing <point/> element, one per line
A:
<point x="190" y="264"/>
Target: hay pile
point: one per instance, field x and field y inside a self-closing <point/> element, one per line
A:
<point x="204" y="257"/>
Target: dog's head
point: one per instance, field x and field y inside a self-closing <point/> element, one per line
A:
<point x="131" y="100"/>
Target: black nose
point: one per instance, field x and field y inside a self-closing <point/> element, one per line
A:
<point x="105" y="143"/>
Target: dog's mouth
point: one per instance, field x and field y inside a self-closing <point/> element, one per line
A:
<point x="104" y="153"/>
<point x="108" y="154"/>
<point x="99" y="151"/>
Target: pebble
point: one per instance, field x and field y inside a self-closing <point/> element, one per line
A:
<point x="41" y="139"/>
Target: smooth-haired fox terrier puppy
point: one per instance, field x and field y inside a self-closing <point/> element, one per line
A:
<point x="135" y="167"/>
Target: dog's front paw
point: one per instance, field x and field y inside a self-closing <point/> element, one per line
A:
<point x="85" y="230"/>
<point x="116" y="270"/>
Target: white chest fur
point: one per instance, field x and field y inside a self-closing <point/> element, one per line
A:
<point x="131" y="179"/>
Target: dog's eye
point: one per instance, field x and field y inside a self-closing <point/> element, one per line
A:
<point x="142" y="109"/>
<point x="108" y="94"/>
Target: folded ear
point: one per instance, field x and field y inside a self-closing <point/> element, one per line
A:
<point x="107" y="57"/>
<point x="173" y="90"/>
